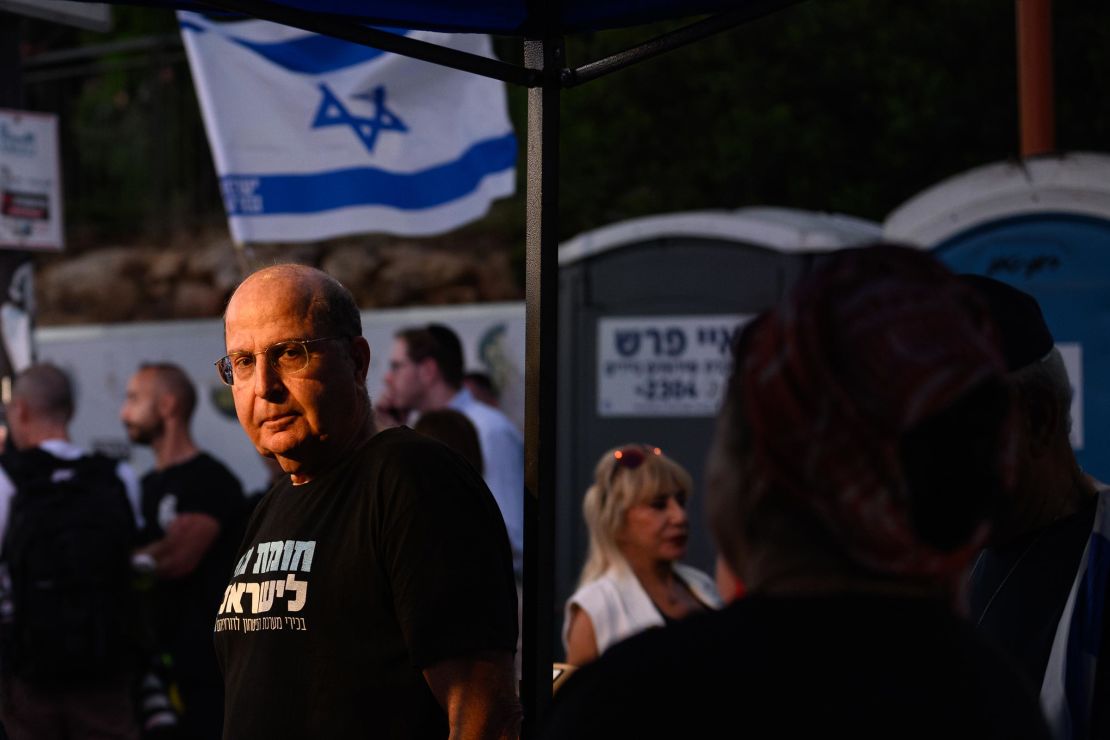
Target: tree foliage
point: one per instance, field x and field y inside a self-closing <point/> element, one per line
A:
<point x="841" y="105"/>
<point x="849" y="106"/>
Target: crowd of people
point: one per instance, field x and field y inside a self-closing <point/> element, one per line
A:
<point x="907" y="545"/>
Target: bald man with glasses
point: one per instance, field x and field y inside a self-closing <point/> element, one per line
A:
<point x="373" y="594"/>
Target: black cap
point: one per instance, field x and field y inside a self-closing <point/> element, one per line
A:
<point x="1025" y="335"/>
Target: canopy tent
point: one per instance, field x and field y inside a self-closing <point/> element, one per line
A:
<point x="505" y="17"/>
<point x="542" y="26"/>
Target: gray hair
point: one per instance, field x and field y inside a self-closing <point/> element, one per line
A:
<point x="1048" y="377"/>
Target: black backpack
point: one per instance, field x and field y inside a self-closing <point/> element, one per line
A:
<point x="67" y="548"/>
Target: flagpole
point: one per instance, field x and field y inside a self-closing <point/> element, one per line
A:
<point x="1034" y="42"/>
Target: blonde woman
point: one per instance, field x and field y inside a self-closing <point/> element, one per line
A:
<point x="636" y="515"/>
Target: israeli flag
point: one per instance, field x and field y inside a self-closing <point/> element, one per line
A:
<point x="315" y="138"/>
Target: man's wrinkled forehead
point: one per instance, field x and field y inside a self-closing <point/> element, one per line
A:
<point x="268" y="296"/>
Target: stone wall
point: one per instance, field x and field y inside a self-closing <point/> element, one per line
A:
<point x="194" y="278"/>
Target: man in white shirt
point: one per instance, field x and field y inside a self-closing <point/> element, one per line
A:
<point x="426" y="373"/>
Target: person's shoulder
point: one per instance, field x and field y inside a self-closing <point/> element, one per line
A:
<point x="33" y="463"/>
<point x="500" y="420"/>
<point x="700" y="634"/>
<point x="150" y="478"/>
<point x="63" y="449"/>
<point x="124" y="468"/>
<point x="400" y="449"/>
<point x="672" y="670"/>
<point x="600" y="589"/>
<point x="761" y="659"/>
<point x="484" y="415"/>
<point x="397" y="442"/>
<point x="207" y="464"/>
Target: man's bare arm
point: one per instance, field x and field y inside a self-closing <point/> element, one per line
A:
<point x="188" y="538"/>
<point x="478" y="695"/>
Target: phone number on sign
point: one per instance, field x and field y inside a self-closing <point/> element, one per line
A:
<point x="667" y="390"/>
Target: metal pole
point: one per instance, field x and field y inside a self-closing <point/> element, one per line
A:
<point x="692" y="33"/>
<point x="541" y="334"/>
<point x="1034" y="43"/>
<point x="351" y="29"/>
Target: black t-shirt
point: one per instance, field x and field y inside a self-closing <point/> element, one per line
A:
<point x="854" y="666"/>
<point x="349" y="585"/>
<point x="184" y="606"/>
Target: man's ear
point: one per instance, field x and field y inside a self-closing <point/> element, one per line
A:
<point x="427" y="370"/>
<point x="360" y="354"/>
<point x="165" y="403"/>
<point x="1044" y="418"/>
<point x="18" y="409"/>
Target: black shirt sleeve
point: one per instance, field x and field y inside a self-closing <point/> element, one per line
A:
<point x="446" y="553"/>
<point x="210" y="488"/>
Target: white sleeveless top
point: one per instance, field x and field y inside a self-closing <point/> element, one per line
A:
<point x="619" y="607"/>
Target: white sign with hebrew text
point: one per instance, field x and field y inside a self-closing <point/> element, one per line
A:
<point x="664" y="365"/>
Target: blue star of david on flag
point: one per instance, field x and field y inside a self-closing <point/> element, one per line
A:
<point x="332" y="112"/>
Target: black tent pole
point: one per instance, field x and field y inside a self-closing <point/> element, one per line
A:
<point x="684" y="36"/>
<point x="541" y="340"/>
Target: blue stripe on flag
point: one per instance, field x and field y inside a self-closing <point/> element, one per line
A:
<point x="312" y="54"/>
<point x="268" y="195"/>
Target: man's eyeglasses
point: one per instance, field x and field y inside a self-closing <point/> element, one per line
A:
<point x="286" y="358"/>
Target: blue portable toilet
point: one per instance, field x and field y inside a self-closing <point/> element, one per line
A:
<point x="1041" y="225"/>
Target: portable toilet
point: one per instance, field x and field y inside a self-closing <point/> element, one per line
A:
<point x="1043" y="226"/>
<point x="647" y="310"/>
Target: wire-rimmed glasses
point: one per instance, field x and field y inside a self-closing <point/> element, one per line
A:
<point x="286" y="358"/>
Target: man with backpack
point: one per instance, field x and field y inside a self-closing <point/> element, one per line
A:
<point x="67" y="640"/>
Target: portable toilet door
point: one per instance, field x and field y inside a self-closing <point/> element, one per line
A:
<point x="1043" y="226"/>
<point x="647" y="311"/>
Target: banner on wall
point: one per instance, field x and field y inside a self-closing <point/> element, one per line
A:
<point x="30" y="181"/>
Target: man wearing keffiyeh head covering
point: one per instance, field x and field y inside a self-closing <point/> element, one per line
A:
<point x="864" y="438"/>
